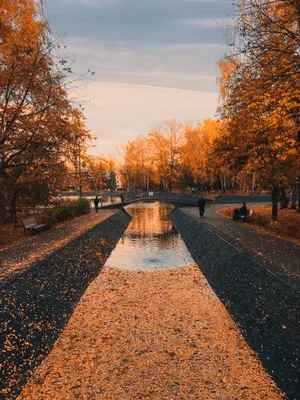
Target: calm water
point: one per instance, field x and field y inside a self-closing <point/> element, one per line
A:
<point x="150" y="242"/>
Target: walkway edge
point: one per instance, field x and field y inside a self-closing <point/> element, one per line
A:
<point x="15" y="274"/>
<point x="266" y="308"/>
<point x="36" y="305"/>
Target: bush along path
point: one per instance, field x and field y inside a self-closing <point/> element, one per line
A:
<point x="36" y="304"/>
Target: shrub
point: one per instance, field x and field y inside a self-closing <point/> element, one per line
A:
<point x="65" y="211"/>
<point x="83" y="205"/>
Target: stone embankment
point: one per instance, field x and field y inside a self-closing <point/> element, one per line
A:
<point x="266" y="308"/>
<point x="36" y="305"/>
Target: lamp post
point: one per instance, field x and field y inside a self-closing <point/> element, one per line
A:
<point x="298" y="177"/>
<point x="80" y="183"/>
<point x="79" y="170"/>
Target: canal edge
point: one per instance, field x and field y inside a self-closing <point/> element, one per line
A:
<point x="37" y="304"/>
<point x="266" y="309"/>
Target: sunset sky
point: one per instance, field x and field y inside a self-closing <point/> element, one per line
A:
<point x="153" y="60"/>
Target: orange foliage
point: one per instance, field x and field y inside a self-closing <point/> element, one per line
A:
<point x="260" y="92"/>
<point x="39" y="127"/>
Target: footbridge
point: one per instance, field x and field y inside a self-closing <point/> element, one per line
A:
<point x="187" y="199"/>
<point x="175" y="199"/>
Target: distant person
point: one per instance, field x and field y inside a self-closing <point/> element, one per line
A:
<point x="96" y="203"/>
<point x="238" y="212"/>
<point x="122" y="197"/>
<point x="201" y="205"/>
<point x="243" y="209"/>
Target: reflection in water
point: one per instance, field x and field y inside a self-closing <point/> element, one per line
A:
<point x="103" y="200"/>
<point x="150" y="242"/>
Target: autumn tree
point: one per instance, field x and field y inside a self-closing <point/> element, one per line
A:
<point x="36" y="115"/>
<point x="196" y="151"/>
<point x="167" y="142"/>
<point x="260" y="93"/>
<point x="98" y="174"/>
<point x="111" y="165"/>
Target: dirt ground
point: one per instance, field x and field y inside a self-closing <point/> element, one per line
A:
<point x="159" y="335"/>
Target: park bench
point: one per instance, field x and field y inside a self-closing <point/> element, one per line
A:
<point x="31" y="226"/>
<point x="248" y="217"/>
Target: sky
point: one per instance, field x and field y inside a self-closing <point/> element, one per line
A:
<point x="153" y="60"/>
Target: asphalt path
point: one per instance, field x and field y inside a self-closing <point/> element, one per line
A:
<point x="281" y="257"/>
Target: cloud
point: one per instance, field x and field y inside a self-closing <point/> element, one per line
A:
<point x="185" y="66"/>
<point x="97" y="3"/>
<point x="118" y="112"/>
<point x="206" y="22"/>
<point x="136" y="21"/>
<point x="154" y="59"/>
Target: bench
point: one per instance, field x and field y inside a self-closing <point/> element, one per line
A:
<point x="248" y="216"/>
<point x="31" y="227"/>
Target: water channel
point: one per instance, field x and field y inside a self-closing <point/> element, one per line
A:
<point x="150" y="241"/>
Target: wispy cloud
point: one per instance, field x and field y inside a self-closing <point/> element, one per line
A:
<point x="100" y="3"/>
<point x="153" y="59"/>
<point x="137" y="108"/>
<point x="206" y="22"/>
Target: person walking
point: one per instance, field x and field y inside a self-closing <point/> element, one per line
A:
<point x="96" y="202"/>
<point x="201" y="205"/>
<point x="122" y="197"/>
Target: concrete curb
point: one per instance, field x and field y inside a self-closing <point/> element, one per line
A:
<point x="266" y="308"/>
<point x="36" y="305"/>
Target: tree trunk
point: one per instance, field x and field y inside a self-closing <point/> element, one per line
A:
<point x="2" y="209"/>
<point x="13" y="207"/>
<point x="294" y="197"/>
<point x="298" y="193"/>
<point x="283" y="198"/>
<point x="275" y="194"/>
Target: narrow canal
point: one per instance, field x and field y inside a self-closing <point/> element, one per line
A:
<point x="150" y="241"/>
<point x="147" y="329"/>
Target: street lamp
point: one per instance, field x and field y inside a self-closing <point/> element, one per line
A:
<point x="79" y="171"/>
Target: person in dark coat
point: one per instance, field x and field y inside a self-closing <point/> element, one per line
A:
<point x="201" y="205"/>
<point x="238" y="212"/>
<point x="96" y="202"/>
<point x="243" y="209"/>
<point x="122" y="197"/>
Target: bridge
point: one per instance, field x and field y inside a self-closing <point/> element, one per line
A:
<point x="175" y="199"/>
<point x="190" y="200"/>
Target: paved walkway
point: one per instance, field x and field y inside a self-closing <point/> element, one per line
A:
<point x="18" y="257"/>
<point x="279" y="256"/>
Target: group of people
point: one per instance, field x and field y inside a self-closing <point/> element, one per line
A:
<point x="237" y="213"/>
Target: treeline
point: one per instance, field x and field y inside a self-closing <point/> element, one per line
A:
<point x="40" y="127"/>
<point x="260" y="90"/>
<point x="256" y="141"/>
<point x="173" y="155"/>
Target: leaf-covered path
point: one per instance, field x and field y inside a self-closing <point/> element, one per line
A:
<point x="150" y="335"/>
